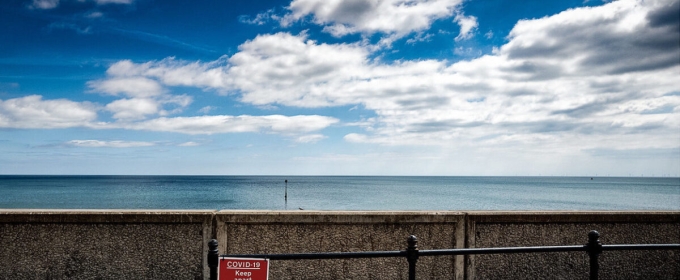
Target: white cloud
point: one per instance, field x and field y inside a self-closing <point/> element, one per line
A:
<point x="95" y="14"/>
<point x="468" y="25"/>
<point x="558" y="76"/>
<point x="293" y="71"/>
<point x="342" y="17"/>
<point x="178" y="101"/>
<point x="133" y="109"/>
<point x="260" y="19"/>
<point x="139" y="87"/>
<point x="51" y="4"/>
<point x="44" y="4"/>
<point x="34" y="112"/>
<point x="286" y="69"/>
<point x="147" y="96"/>
<point x="145" y="84"/>
<point x="233" y="124"/>
<point x="140" y="108"/>
<point x="567" y="81"/>
<point x="619" y="37"/>
<point x="467" y="52"/>
<point x="189" y="144"/>
<point x="420" y="37"/>
<point x="108" y="144"/>
<point x="312" y="138"/>
<point x="71" y="26"/>
<point x="355" y="138"/>
<point x="174" y="72"/>
<point x="206" y="109"/>
<point x="104" y="2"/>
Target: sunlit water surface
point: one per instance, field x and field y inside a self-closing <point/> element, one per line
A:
<point x="339" y="193"/>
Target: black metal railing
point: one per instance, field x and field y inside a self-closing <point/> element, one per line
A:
<point x="593" y="248"/>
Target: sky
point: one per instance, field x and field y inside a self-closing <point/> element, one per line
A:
<point x="340" y="87"/>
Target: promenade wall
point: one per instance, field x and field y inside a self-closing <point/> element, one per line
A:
<point x="132" y="244"/>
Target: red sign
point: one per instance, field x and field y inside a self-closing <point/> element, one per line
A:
<point x="243" y="269"/>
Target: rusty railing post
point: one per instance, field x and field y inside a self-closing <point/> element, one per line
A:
<point x="594" y="248"/>
<point x="412" y="256"/>
<point x="213" y="258"/>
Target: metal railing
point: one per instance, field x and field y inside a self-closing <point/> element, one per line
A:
<point x="593" y="248"/>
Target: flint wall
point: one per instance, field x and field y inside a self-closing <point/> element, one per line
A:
<point x="131" y="244"/>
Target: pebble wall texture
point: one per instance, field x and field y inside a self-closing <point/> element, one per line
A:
<point x="575" y="265"/>
<point x="92" y="249"/>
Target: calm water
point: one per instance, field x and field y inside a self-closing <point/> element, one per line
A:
<point x="339" y="193"/>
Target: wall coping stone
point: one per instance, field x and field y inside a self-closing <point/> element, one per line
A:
<point x="104" y="216"/>
<point x="573" y="216"/>
<point x="338" y="217"/>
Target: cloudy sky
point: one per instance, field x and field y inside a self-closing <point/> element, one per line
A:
<point x="340" y="87"/>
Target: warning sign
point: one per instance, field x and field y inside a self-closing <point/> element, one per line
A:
<point x="243" y="269"/>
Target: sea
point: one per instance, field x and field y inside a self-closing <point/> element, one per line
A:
<point x="339" y="193"/>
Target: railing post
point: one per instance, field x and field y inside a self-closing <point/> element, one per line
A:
<point x="594" y="248"/>
<point x="412" y="256"/>
<point x="213" y="258"/>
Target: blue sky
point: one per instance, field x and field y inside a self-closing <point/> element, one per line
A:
<point x="340" y="87"/>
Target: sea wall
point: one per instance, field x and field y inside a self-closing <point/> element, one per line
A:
<point x="104" y="244"/>
<point x="49" y="244"/>
<point x="509" y="229"/>
<point x="286" y="232"/>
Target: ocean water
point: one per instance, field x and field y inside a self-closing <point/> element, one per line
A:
<point x="339" y="193"/>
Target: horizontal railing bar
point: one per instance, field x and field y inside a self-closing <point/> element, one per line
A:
<point x="594" y="248"/>
<point x="620" y="247"/>
<point x="451" y="252"/>
<point x="501" y="250"/>
<point x="331" y="255"/>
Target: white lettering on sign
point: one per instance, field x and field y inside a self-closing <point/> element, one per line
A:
<point x="243" y="273"/>
<point x="243" y="265"/>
